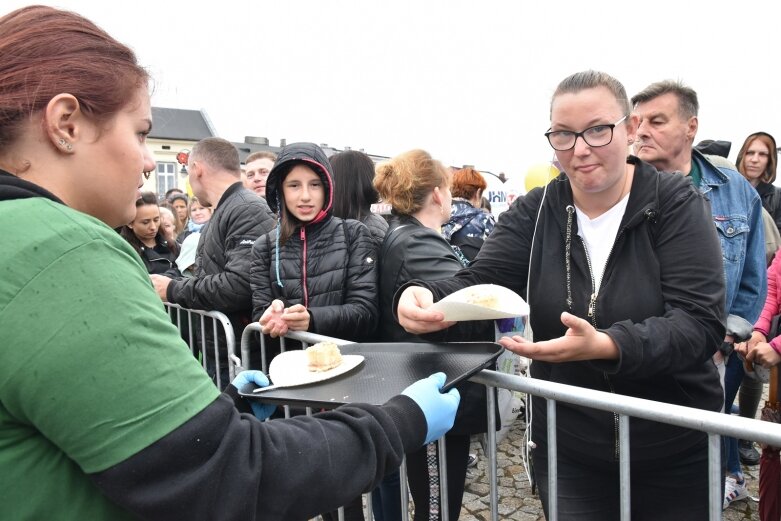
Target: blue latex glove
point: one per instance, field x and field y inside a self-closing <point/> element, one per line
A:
<point x="438" y="408"/>
<point x="260" y="410"/>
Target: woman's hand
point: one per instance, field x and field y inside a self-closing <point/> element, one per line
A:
<point x="413" y="315"/>
<point x="763" y="354"/>
<point x="271" y="321"/>
<point x="296" y="318"/>
<point x="756" y="338"/>
<point x="744" y="347"/>
<point x="581" y="342"/>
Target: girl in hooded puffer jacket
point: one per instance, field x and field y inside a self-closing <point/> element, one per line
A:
<point x="315" y="272"/>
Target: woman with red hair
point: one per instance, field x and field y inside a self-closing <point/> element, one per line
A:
<point x="469" y="225"/>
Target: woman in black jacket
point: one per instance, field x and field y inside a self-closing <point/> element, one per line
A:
<point x="599" y="253"/>
<point x="146" y="237"/>
<point x="354" y="191"/>
<point x="757" y="161"/>
<point x="418" y="189"/>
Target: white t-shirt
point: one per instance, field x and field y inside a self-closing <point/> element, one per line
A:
<point x="599" y="235"/>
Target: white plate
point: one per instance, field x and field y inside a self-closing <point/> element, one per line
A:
<point x="290" y="368"/>
<point x="508" y="304"/>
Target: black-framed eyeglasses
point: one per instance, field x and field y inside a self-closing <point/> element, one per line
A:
<point x="596" y="136"/>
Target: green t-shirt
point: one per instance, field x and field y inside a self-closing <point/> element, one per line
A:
<point x="91" y="369"/>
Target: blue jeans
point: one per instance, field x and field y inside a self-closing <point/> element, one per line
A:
<point x="386" y="498"/>
<point x="733" y="376"/>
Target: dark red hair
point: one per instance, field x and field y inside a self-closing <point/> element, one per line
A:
<point x="45" y="52"/>
<point x="466" y="183"/>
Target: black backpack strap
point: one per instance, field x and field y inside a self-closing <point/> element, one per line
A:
<point x="391" y="237"/>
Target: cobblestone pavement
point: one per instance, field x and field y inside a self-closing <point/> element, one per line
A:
<point x="516" y="501"/>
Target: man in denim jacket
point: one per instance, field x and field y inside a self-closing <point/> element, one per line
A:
<point x="668" y="125"/>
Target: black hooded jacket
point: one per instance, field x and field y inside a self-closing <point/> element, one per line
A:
<point x="328" y="264"/>
<point x="222" y="261"/>
<point x="661" y="300"/>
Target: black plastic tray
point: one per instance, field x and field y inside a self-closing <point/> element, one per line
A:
<point x="387" y="369"/>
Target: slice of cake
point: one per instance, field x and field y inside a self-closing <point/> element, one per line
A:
<point x="323" y="356"/>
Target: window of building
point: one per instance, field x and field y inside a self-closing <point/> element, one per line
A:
<point x="166" y="177"/>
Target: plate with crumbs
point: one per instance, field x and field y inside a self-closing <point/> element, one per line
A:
<point x="291" y="369"/>
<point x="482" y="302"/>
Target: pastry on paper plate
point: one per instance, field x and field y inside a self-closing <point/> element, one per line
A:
<point x="323" y="356"/>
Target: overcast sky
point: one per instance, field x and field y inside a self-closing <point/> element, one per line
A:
<point x="468" y="81"/>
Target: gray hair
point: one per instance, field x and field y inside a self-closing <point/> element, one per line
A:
<point x="688" y="106"/>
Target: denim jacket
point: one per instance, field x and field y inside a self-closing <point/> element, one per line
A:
<point x="737" y="214"/>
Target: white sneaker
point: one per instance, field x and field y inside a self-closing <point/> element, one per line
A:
<point x="472" y="460"/>
<point x="734" y="491"/>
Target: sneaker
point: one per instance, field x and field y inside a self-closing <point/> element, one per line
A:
<point x="748" y="454"/>
<point x="472" y="460"/>
<point x="734" y="491"/>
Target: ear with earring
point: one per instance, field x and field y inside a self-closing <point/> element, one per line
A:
<point x="64" y="144"/>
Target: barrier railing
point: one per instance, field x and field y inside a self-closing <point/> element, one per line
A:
<point x="713" y="423"/>
<point x="195" y="336"/>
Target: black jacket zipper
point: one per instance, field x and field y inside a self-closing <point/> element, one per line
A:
<point x="592" y="314"/>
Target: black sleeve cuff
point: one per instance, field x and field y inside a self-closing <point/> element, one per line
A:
<point x="238" y="401"/>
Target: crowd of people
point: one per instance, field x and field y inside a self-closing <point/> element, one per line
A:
<point x="107" y="415"/>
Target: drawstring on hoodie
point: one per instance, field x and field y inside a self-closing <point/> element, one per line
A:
<point x="276" y="243"/>
<point x="567" y="261"/>
<point x="303" y="268"/>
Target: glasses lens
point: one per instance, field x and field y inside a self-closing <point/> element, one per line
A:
<point x="598" y="136"/>
<point x="561" y="140"/>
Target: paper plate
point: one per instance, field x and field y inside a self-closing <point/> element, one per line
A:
<point x="459" y="306"/>
<point x="290" y="368"/>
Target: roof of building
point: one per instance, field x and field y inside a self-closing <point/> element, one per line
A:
<point x="180" y="124"/>
<point x="194" y="125"/>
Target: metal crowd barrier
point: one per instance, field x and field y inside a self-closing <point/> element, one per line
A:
<point x="194" y="335"/>
<point x="713" y="423"/>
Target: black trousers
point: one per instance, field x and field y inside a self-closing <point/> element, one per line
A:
<point x="673" y="487"/>
<point x="457" y="448"/>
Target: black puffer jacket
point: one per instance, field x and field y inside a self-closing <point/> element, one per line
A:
<point x="377" y="225"/>
<point x="328" y="265"/>
<point x="221" y="280"/>
<point x="661" y="301"/>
